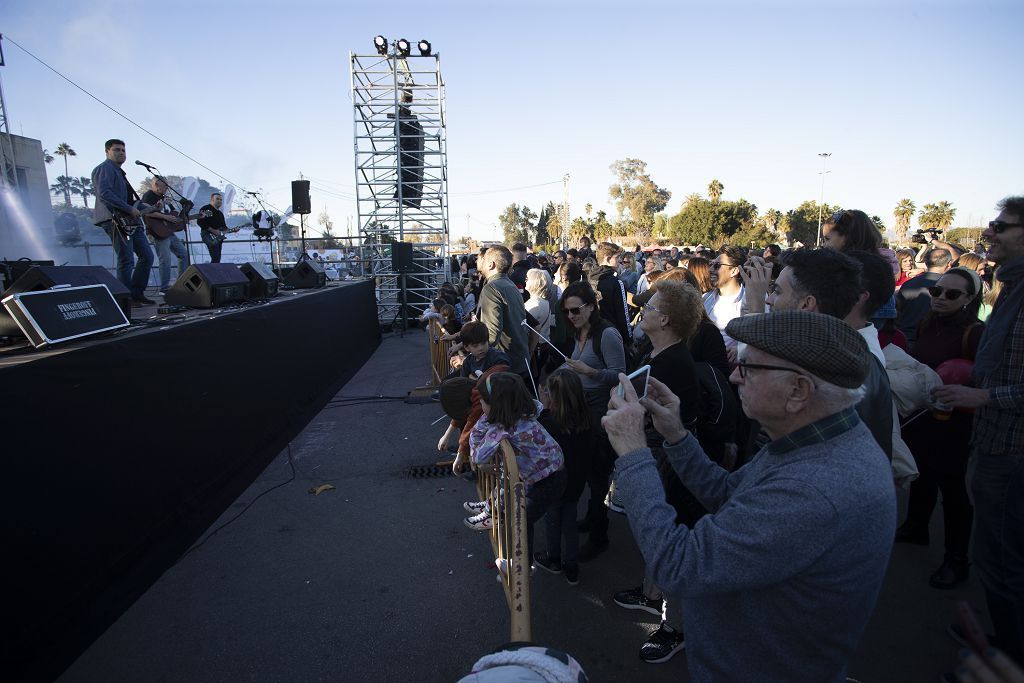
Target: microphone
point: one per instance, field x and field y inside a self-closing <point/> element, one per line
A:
<point x="139" y="163"/>
<point x="254" y="194"/>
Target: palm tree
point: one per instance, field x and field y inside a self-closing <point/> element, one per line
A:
<point x="64" y="150"/>
<point x="588" y="209"/>
<point x="927" y="219"/>
<point x="903" y="212"/>
<point x="692" y="199"/>
<point x="47" y="157"/>
<point x="944" y="214"/>
<point x="63" y="187"/>
<point x="82" y="186"/>
<point x="772" y="219"/>
<point x="715" y="190"/>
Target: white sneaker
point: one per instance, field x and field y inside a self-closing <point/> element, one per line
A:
<point x="480" y="522"/>
<point x="476" y="507"/>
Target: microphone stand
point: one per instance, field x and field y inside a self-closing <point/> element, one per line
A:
<point x="273" y="225"/>
<point x="186" y="206"/>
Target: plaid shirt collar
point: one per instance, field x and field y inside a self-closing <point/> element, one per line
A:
<point x="816" y="432"/>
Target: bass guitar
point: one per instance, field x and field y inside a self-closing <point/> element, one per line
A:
<point x="126" y="224"/>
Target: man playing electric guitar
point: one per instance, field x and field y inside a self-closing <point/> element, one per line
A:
<point x="114" y="198"/>
<point x="214" y="227"/>
<point x="165" y="241"/>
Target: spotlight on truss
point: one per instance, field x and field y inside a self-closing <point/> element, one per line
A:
<point x="402" y="48"/>
<point x="381" y="43"/>
<point x="424" y="46"/>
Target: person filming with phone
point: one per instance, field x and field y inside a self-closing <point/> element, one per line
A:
<point x="779" y="579"/>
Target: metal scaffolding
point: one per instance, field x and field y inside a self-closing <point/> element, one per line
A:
<point x="401" y="174"/>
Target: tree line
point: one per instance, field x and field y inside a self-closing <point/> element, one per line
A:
<point x="710" y="220"/>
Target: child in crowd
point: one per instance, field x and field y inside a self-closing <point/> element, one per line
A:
<point x="434" y="312"/>
<point x="567" y="419"/>
<point x="510" y="413"/>
<point x="450" y="324"/>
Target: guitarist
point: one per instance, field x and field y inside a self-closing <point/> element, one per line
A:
<point x="165" y="246"/>
<point x="214" y="226"/>
<point x="114" y="194"/>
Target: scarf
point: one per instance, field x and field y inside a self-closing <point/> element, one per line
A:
<point x="1001" y="321"/>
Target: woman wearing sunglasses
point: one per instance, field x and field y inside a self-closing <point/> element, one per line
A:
<point x="939" y="442"/>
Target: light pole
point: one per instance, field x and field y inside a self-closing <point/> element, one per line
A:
<point x="821" y="198"/>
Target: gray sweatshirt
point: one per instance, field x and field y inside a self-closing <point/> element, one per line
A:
<point x="779" y="580"/>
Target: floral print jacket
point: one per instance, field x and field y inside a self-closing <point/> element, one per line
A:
<point x="538" y="455"/>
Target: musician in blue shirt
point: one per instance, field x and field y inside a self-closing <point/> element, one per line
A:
<point x="114" y="197"/>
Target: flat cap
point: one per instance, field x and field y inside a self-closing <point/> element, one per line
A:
<point x="822" y="345"/>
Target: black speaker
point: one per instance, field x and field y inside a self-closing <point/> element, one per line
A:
<point x="300" y="197"/>
<point x="39" y="278"/>
<point x="401" y="257"/>
<point x="208" y="285"/>
<point x="306" y="274"/>
<point x="263" y="281"/>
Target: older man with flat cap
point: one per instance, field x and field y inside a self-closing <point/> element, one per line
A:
<point x="779" y="580"/>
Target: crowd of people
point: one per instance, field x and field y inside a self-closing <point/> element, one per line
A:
<point x="791" y="393"/>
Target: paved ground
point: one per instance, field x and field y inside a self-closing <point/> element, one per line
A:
<point x="378" y="580"/>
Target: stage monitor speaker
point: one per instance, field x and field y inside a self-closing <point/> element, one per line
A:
<point x="208" y="285"/>
<point x="38" y="278"/>
<point x="306" y="274"/>
<point x="301" y="202"/>
<point x="10" y="271"/>
<point x="401" y="257"/>
<point x="263" y="282"/>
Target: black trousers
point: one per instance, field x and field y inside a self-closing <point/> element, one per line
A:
<point x="599" y="476"/>
<point x="213" y="245"/>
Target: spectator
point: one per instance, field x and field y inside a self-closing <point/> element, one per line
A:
<point x="908" y="266"/>
<point x="701" y="269"/>
<point x="772" y="253"/>
<point x="628" y="273"/>
<point x="572" y="255"/>
<point x="829" y="282"/>
<point x="998" y="437"/>
<point x="644" y="283"/>
<point x="779" y="580"/>
<point x="567" y="419"/>
<point x="940" y="440"/>
<point x="725" y="300"/>
<point x="851" y="230"/>
<point x="538" y="285"/>
<point x="568" y="273"/>
<point x="604" y="279"/>
<point x="597" y="356"/>
<point x="584" y="251"/>
<point x="912" y="302"/>
<point x="501" y="309"/>
<point x="520" y="266"/>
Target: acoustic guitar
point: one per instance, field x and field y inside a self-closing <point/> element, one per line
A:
<point x="164" y="229"/>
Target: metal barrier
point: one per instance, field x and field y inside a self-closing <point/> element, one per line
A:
<point x="500" y="485"/>
<point x="439" y="350"/>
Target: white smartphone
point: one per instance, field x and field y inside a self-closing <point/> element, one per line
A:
<point x="638" y="379"/>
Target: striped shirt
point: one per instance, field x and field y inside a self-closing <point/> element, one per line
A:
<point x="998" y="426"/>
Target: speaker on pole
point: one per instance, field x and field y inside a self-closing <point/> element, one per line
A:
<point x="208" y="285"/>
<point x="301" y="202"/>
<point x="401" y="257"/>
<point x="38" y="278"/>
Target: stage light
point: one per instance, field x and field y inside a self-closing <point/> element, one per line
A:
<point x="424" y="46"/>
<point x="402" y="48"/>
<point x="381" y="43"/>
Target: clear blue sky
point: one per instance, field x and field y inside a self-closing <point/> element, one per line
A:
<point x="918" y="100"/>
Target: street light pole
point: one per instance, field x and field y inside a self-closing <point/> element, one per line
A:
<point x="821" y="198"/>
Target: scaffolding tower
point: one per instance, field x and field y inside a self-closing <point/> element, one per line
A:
<point x="401" y="175"/>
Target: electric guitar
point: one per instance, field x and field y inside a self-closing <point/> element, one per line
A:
<point x="126" y="224"/>
<point x="211" y="238"/>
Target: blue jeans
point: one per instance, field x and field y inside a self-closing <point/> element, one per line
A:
<point x="998" y="488"/>
<point x="164" y="248"/>
<point x="134" y="276"/>
<point x="560" y="522"/>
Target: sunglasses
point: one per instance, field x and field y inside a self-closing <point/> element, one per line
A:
<point x="575" y="310"/>
<point x="999" y="227"/>
<point x="950" y="294"/>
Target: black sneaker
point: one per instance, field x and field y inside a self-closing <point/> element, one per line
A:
<point x="662" y="645"/>
<point x="548" y="564"/>
<point x="634" y="598"/>
<point x="572" y="574"/>
<point x="592" y="548"/>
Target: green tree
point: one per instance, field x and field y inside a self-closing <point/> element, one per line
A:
<point x="660" y="225"/>
<point x="945" y="213"/>
<point x="527" y="226"/>
<point x="63" y="187"/>
<point x="47" y="157"/>
<point x="903" y="212"/>
<point x="544" y="230"/>
<point x="600" y="226"/>
<point x="773" y="221"/>
<point x="637" y="194"/>
<point x="82" y="187"/>
<point x="936" y="216"/>
<point x="692" y="198"/>
<point x="696" y="223"/>
<point x="64" y="150"/>
<point x="715" y="188"/>
<point x="801" y="224"/>
<point x="580" y="227"/>
<point x="588" y="209"/>
<point x="879" y="223"/>
<point x="509" y="221"/>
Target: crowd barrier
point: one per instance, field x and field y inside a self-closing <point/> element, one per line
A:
<point x="500" y="485"/>
<point x="439" y="349"/>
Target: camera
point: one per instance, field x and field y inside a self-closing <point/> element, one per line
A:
<point x="925" y="236"/>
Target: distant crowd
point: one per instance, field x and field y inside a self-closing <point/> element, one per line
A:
<point x="790" y="393"/>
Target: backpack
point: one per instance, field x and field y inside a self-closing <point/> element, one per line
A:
<point x="597" y="332"/>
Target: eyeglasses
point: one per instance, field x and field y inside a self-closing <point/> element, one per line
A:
<point x="774" y="289"/>
<point x="950" y="294"/>
<point x="648" y="307"/>
<point x="719" y="264"/>
<point x="575" y="310"/>
<point x="999" y="227"/>
<point x="743" y="366"/>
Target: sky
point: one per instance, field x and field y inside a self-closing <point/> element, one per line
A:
<point x="912" y="99"/>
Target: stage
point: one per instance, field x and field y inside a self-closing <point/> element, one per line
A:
<point x="120" y="451"/>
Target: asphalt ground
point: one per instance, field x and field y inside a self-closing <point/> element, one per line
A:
<point x="378" y="579"/>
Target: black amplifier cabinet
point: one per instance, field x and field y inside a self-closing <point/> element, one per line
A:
<point x="64" y="313"/>
<point x="208" y="285"/>
<point x="263" y="282"/>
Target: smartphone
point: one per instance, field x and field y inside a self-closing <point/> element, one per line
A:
<point x="638" y="379"/>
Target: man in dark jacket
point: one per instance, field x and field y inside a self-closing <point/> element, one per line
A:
<point x="501" y="309"/>
<point x="605" y="281"/>
<point x="520" y="267"/>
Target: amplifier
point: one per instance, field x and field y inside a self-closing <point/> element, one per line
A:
<point x="64" y="313"/>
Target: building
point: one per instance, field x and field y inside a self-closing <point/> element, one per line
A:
<point x="26" y="216"/>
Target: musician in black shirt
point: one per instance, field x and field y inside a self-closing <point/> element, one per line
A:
<point x="214" y="227"/>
